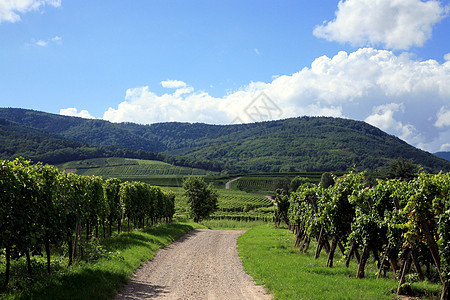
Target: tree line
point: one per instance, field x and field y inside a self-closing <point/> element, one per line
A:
<point x="297" y="144"/>
<point x="400" y="223"/>
<point x="41" y="208"/>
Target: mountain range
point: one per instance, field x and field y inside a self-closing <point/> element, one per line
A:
<point x="295" y="144"/>
<point x="443" y="154"/>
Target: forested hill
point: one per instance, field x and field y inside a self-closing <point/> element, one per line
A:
<point x="443" y="154"/>
<point x="296" y="144"/>
<point x="37" y="145"/>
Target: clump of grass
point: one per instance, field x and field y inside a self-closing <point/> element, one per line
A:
<point x="269" y="256"/>
<point x="101" y="276"/>
<point x="228" y="224"/>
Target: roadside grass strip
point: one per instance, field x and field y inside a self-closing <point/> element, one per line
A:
<point x="115" y="260"/>
<point x="269" y="257"/>
<point x="228" y="224"/>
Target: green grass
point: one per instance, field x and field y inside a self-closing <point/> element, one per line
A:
<point x="100" y="279"/>
<point x="268" y="256"/>
<point x="229" y="224"/>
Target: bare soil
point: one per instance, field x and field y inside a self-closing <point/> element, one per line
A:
<point x="203" y="264"/>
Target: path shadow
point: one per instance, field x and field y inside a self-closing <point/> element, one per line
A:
<point x="136" y="289"/>
<point x="141" y="290"/>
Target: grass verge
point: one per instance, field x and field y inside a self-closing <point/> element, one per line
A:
<point x="269" y="257"/>
<point x="228" y="224"/>
<point x="102" y="278"/>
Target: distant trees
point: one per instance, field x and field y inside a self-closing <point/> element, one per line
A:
<point x="282" y="185"/>
<point x="403" y="169"/>
<point x="326" y="180"/>
<point x="201" y="197"/>
<point x="308" y="144"/>
<point x="298" y="181"/>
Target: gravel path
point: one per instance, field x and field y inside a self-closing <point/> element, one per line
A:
<point x="203" y="264"/>
<point x="228" y="184"/>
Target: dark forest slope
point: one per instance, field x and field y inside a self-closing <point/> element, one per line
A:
<point x="443" y="154"/>
<point x="296" y="144"/>
<point x="17" y="140"/>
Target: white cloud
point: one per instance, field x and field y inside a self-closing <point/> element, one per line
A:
<point x="72" y="112"/>
<point x="256" y="51"/>
<point x="44" y="43"/>
<point x="182" y="91"/>
<point x="41" y="43"/>
<point x="443" y="118"/>
<point x="10" y="10"/>
<point x="395" y="24"/>
<point x="445" y="147"/>
<point x="383" y="118"/>
<point x="173" y="84"/>
<point x="396" y="93"/>
<point x="143" y="106"/>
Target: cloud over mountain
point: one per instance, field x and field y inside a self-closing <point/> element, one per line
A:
<point x="73" y="112"/>
<point x="399" y="24"/>
<point x="403" y="96"/>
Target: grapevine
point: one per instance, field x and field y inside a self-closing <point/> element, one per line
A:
<point x="392" y="219"/>
<point x="41" y="207"/>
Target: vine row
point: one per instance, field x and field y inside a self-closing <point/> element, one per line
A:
<point x="41" y="207"/>
<point x="400" y="223"/>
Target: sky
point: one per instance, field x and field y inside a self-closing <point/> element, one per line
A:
<point x="385" y="62"/>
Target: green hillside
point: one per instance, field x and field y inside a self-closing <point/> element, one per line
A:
<point x="443" y="154"/>
<point x="38" y="145"/>
<point x="128" y="167"/>
<point x="296" y="144"/>
<point x="17" y="140"/>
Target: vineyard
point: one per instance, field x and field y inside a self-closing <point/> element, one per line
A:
<point x="235" y="205"/>
<point x="43" y="209"/>
<point x="265" y="182"/>
<point x="127" y="167"/>
<point x="255" y="184"/>
<point x="401" y="224"/>
<point x="238" y="201"/>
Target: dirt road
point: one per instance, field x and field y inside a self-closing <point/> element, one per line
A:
<point x="228" y="184"/>
<point x="203" y="264"/>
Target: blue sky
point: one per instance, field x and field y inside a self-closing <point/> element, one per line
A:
<point x="384" y="62"/>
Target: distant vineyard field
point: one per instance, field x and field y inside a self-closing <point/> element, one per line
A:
<point x="255" y="184"/>
<point x="264" y="183"/>
<point x="158" y="180"/>
<point x="131" y="168"/>
<point x="230" y="201"/>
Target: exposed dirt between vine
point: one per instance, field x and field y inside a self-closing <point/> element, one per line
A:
<point x="203" y="264"/>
